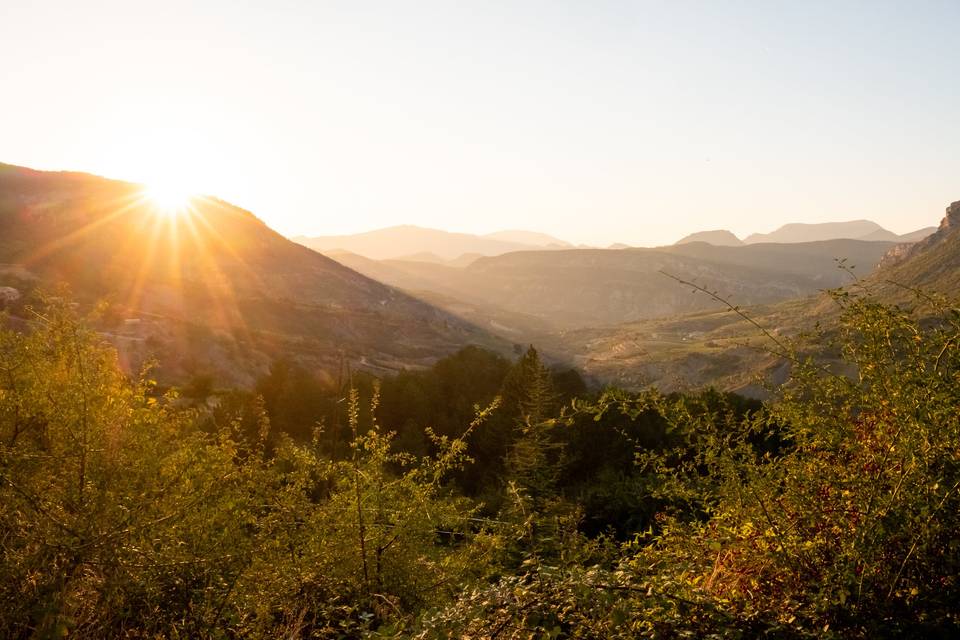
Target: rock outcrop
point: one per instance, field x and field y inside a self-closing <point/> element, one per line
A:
<point x="948" y="226"/>
<point x="896" y="255"/>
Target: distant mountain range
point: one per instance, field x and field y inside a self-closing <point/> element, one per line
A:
<point x="619" y="319"/>
<point x="577" y="288"/>
<point x="800" y="232"/>
<point x="216" y="291"/>
<point x="854" y="230"/>
<point x="211" y="290"/>
<point x="718" y="348"/>
<point x="420" y="244"/>
<point x="431" y="245"/>
<point x="719" y="238"/>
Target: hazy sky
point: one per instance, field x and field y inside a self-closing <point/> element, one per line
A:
<point x="596" y="121"/>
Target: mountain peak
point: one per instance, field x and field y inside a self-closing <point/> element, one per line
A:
<point x="718" y="238"/>
<point x="814" y="232"/>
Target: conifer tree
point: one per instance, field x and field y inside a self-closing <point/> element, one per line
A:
<point x="533" y="463"/>
<point x="527" y="389"/>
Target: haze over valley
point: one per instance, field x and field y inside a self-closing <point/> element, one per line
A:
<point x="430" y="293"/>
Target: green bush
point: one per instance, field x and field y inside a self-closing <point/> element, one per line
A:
<point x="832" y="510"/>
<point x="122" y="517"/>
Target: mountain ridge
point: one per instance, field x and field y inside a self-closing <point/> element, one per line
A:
<point x="400" y="241"/>
<point x="812" y="232"/>
<point x="798" y="232"/>
<point x="573" y="288"/>
<point x="852" y="230"/>
<point x="718" y="237"/>
<point x="218" y="270"/>
<point x="718" y="348"/>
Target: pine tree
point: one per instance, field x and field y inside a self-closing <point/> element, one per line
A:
<point x="532" y="466"/>
<point x="528" y="390"/>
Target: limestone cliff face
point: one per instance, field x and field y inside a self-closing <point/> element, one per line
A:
<point x="948" y="226"/>
<point x="953" y="216"/>
<point x="896" y="255"/>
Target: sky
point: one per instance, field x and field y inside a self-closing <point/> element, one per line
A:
<point x="597" y="122"/>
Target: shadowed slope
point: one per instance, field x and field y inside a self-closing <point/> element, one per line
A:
<point x="589" y="287"/>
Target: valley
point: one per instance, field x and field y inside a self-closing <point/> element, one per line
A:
<point x="221" y="294"/>
<point x="621" y="317"/>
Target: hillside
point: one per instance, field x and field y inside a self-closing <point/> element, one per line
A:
<point x="594" y="287"/>
<point x="438" y="285"/>
<point x="597" y="287"/>
<point x="409" y="275"/>
<point x="213" y="282"/>
<point x="918" y="235"/>
<point x="816" y="261"/>
<point x="881" y="235"/>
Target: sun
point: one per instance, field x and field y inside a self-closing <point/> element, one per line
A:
<point x="170" y="199"/>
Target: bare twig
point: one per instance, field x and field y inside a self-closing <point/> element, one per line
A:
<point x="782" y="351"/>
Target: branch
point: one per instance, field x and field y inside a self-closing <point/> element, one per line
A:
<point x="784" y="351"/>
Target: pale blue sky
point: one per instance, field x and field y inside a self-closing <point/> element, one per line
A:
<point x="595" y="121"/>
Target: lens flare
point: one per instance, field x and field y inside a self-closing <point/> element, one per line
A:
<point x="168" y="199"/>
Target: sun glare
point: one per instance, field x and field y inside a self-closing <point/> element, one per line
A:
<point x="168" y="199"/>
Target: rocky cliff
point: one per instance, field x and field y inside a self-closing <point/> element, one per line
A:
<point x="948" y="226"/>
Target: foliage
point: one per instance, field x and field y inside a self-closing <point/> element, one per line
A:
<point x="832" y="512"/>
<point x="294" y="513"/>
<point x="852" y="525"/>
<point x="125" y="516"/>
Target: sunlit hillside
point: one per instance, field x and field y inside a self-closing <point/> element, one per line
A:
<point x="206" y="286"/>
